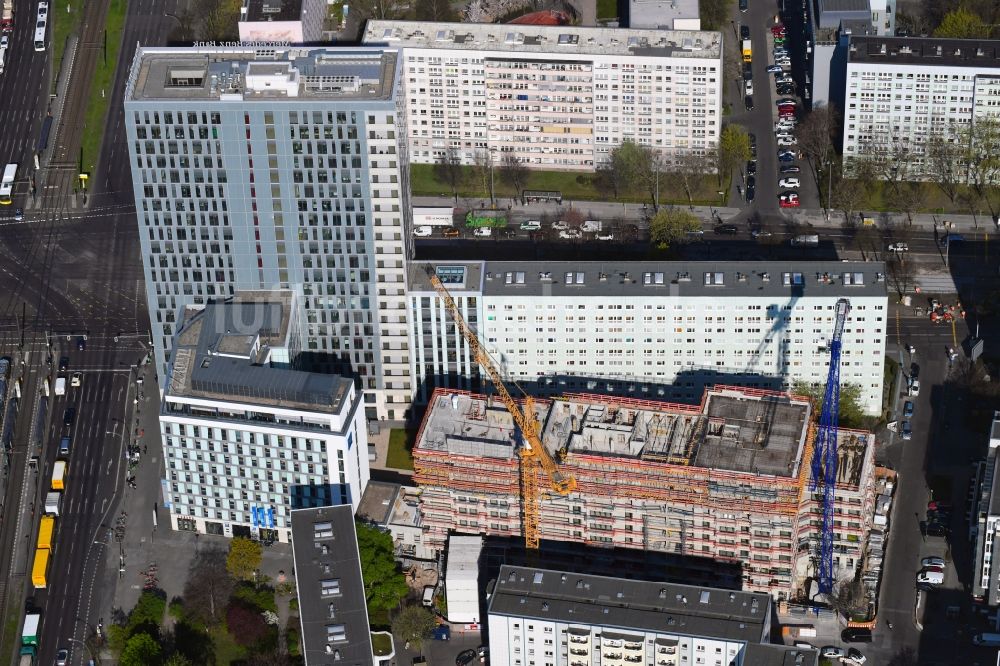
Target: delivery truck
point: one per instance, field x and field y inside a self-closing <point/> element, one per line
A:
<point x="61" y="386"/>
<point x="747" y="51"/>
<point x="29" y="635"/>
<point x="59" y="475"/>
<point x="52" y="502"/>
<point x="40" y="568"/>
<point x="46" y="530"/>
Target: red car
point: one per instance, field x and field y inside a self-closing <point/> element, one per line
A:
<point x="777" y="27"/>
<point x="791" y="203"/>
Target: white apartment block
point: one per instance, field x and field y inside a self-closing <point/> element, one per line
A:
<point x="650" y="329"/>
<point x="902" y="91"/>
<point x="247" y="438"/>
<point x="556" y="97"/>
<point x="278" y="168"/>
<point x="540" y="617"/>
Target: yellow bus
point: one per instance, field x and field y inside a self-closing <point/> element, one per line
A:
<point x="46" y="529"/>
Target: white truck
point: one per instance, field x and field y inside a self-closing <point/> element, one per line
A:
<point x="52" y="502"/>
<point x="60" y="386"/>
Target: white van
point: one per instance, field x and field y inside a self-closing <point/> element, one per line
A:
<point x="3" y="58"/>
<point x="930" y="577"/>
<point x="428" y="599"/>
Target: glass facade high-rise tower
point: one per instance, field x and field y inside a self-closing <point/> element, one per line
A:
<point x="278" y="168"/>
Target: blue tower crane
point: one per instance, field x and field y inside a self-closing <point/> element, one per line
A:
<point x="824" y="461"/>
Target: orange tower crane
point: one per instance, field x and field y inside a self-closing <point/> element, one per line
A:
<point x="533" y="454"/>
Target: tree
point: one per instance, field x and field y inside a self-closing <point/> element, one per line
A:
<point x="385" y="584"/>
<point x="734" y="149"/>
<point x="714" y="13"/>
<point x="981" y="145"/>
<point x="514" y="172"/>
<point x="380" y="10"/>
<point x="671" y="225"/>
<point x="147" y="614"/>
<point x="627" y="163"/>
<point x="909" y="198"/>
<point x="483" y="165"/>
<point x="887" y="159"/>
<point x="435" y="10"/>
<point x="867" y="239"/>
<point x="901" y="274"/>
<point x="849" y="597"/>
<point x="848" y="195"/>
<point x="816" y="137"/>
<point x="208" y="586"/>
<point x="448" y="169"/>
<point x="218" y="19"/>
<point x="246" y="625"/>
<point x="960" y="23"/>
<point x="141" y="650"/>
<point x="244" y="558"/>
<point x="851" y="414"/>
<point x="413" y="624"/>
<point x="177" y="659"/>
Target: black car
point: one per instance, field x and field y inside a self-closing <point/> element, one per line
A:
<point x="727" y="229"/>
<point x="750" y="194"/>
<point x="63" y="363"/>
<point x="744" y="32"/>
<point x="753" y="142"/>
<point x="68" y="416"/>
<point x="751" y="168"/>
<point x="751" y="182"/>
<point x="785" y="90"/>
<point x="465" y="657"/>
<point x="748" y="102"/>
<point x="747" y="71"/>
<point x="81" y="343"/>
<point x="856" y="635"/>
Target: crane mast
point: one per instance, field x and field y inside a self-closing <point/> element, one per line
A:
<point x="824" y="461"/>
<point x="532" y="454"/>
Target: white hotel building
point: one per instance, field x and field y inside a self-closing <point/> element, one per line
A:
<point x="901" y="91"/>
<point x="247" y="438"/>
<point x="556" y="97"/>
<point x="650" y="329"/>
<point x="556" y="618"/>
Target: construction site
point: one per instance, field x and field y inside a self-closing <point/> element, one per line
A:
<point x="728" y="479"/>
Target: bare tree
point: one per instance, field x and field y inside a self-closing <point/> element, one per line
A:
<point x="887" y="159"/>
<point x="380" y="10"/>
<point x="943" y="157"/>
<point x="901" y="274"/>
<point x="448" y="169"/>
<point x="848" y="195"/>
<point x="652" y="167"/>
<point x="208" y="586"/>
<point x="816" y="137"/>
<point x="483" y="164"/>
<point x="689" y="168"/>
<point x="849" y="597"/>
<point x="910" y="198"/>
<point x="982" y="157"/>
<point x="514" y="172"/>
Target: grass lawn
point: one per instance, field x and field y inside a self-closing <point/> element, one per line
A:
<point x="227" y="650"/>
<point x="881" y="198"/>
<point x="889" y="388"/>
<point x="574" y="186"/>
<point x="381" y="644"/>
<point x="63" y="24"/>
<point x="104" y="74"/>
<point x="11" y="622"/>
<point x="379" y="619"/>
<point x="607" y="9"/>
<point x="400" y="445"/>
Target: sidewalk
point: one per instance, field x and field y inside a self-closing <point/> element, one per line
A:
<point x="815" y="217"/>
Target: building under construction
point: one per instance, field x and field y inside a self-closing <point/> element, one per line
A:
<point x="727" y="479"/>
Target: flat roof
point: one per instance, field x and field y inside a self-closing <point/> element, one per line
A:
<point x="739" y="279"/>
<point x="376" y="502"/>
<point x="625" y="604"/>
<point x="220" y="353"/>
<point x="843" y="6"/>
<point x="545" y="39"/>
<point x="767" y="654"/>
<point x="247" y="73"/>
<point x="331" y="591"/>
<point x="741" y="430"/>
<point x="272" y="10"/>
<point x="981" y="54"/>
<point x="660" y="13"/>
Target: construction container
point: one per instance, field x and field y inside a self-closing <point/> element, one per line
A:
<point x="462" y="579"/>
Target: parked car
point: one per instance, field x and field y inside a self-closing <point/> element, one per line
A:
<point x="914" y="387"/>
<point x="760" y="233"/>
<point x="790" y="168"/>
<point x="442" y="633"/>
<point x="899" y="247"/>
<point x="748" y="102"/>
<point x="751" y="193"/>
<point x="570" y="234"/>
<point x="752" y="181"/>
<point x="785" y="89"/>
<point x="560" y="225"/>
<point x="727" y="229"/>
<point x="788" y="183"/>
<point x="774" y="69"/>
<point x="465" y="657"/>
<point x="751" y="167"/>
<point x="908" y="408"/>
<point x="932" y="561"/>
<point x="753" y="142"/>
<point x="451" y="232"/>
<point x="854" y="655"/>
<point x="831" y="652"/>
<point x="930" y="577"/>
<point x="744" y="32"/>
<point x="606" y="236"/>
<point x="531" y="225"/>
<point x="786" y="102"/>
<point x="856" y="635"/>
<point x="423" y="231"/>
<point x="748" y="87"/>
<point x="786" y="157"/>
<point x="483" y="232"/>
<point x="786" y="141"/>
<point x="939" y="506"/>
<point x="63" y="363"/>
<point x="906" y="432"/>
<point x="777" y="29"/>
